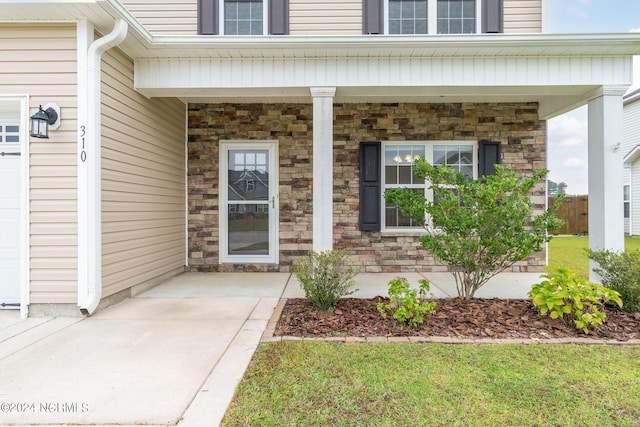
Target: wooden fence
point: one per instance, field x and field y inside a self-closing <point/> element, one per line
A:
<point x="575" y="213"/>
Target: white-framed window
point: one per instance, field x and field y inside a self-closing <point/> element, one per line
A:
<point x="243" y="17"/>
<point x="627" y="201"/>
<point x="397" y="171"/>
<point x="432" y="16"/>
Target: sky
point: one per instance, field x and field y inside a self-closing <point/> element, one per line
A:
<point x="568" y="133"/>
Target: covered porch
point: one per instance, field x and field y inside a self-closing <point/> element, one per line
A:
<point x="557" y="73"/>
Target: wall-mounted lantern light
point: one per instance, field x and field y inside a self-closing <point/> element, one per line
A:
<point x="44" y="119"/>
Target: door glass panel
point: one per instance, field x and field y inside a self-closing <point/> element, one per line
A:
<point x="248" y="175"/>
<point x="249" y="229"/>
<point x="249" y="208"/>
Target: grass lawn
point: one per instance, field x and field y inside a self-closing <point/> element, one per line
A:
<point x="330" y="384"/>
<point x="569" y="252"/>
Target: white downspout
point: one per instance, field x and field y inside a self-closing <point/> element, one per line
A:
<point x="90" y="158"/>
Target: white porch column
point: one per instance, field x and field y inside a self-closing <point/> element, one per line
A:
<point x="606" y="223"/>
<point x="323" y="167"/>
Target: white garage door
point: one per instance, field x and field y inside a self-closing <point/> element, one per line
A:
<point x="9" y="216"/>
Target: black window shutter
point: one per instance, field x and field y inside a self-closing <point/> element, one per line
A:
<point x="279" y="17"/>
<point x="492" y="16"/>
<point x="489" y="156"/>
<point x="207" y="17"/>
<point x="372" y="15"/>
<point x="370" y="186"/>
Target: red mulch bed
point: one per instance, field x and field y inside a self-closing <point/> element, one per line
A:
<point x="477" y="318"/>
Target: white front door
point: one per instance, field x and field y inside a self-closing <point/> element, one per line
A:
<point x="9" y="215"/>
<point x="248" y="202"/>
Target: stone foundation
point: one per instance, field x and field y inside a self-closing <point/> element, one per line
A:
<point x="516" y="126"/>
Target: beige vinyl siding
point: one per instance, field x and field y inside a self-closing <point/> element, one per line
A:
<point x="630" y="139"/>
<point x="631" y="129"/>
<point x="173" y="17"/>
<point x="143" y="180"/>
<point x="522" y="16"/>
<point x="325" y="17"/>
<point x="40" y="61"/>
<point x="635" y="197"/>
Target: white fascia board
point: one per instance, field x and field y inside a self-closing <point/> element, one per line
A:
<point x="476" y="45"/>
<point x="631" y="157"/>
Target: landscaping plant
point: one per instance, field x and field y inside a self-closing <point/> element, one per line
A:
<point x="620" y="272"/>
<point x="326" y="277"/>
<point x="478" y="227"/>
<point x="405" y="303"/>
<point x="564" y="296"/>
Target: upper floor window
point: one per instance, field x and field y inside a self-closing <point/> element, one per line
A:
<point x="408" y="16"/>
<point x="457" y="16"/>
<point x="243" y="17"/>
<point x="432" y="16"/>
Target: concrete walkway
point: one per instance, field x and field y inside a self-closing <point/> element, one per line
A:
<point x="170" y="356"/>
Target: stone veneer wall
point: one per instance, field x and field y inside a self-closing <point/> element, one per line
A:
<point x="515" y="125"/>
<point x="290" y="125"/>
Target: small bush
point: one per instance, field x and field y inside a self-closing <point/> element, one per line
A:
<point x="326" y="277"/>
<point x="563" y="296"/>
<point x="620" y="272"/>
<point x="479" y="227"/>
<point x="405" y="304"/>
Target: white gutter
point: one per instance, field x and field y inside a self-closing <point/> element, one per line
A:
<point x="91" y="160"/>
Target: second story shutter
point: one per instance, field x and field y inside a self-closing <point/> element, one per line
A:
<point x="489" y="155"/>
<point x="372" y="17"/>
<point x="492" y="16"/>
<point x="208" y="17"/>
<point x="278" y="17"/>
<point x="370" y="186"/>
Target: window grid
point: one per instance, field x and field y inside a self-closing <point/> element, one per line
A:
<point x="456" y="16"/>
<point x="9" y="133"/>
<point x="243" y="17"/>
<point x="408" y="17"/>
<point x="457" y="157"/>
<point x="398" y="172"/>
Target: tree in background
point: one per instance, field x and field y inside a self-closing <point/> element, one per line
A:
<point x="556" y="188"/>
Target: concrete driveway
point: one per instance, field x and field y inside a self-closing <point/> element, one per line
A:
<point x="172" y="355"/>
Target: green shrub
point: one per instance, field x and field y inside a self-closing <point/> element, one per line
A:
<point x="620" y="272"/>
<point x="326" y="277"/>
<point x="564" y="296"/>
<point x="478" y="227"/>
<point x="405" y="304"/>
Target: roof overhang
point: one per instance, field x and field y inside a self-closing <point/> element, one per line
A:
<point x="560" y="72"/>
<point x="632" y="156"/>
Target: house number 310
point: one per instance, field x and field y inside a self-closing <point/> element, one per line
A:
<point x="83" y="153"/>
